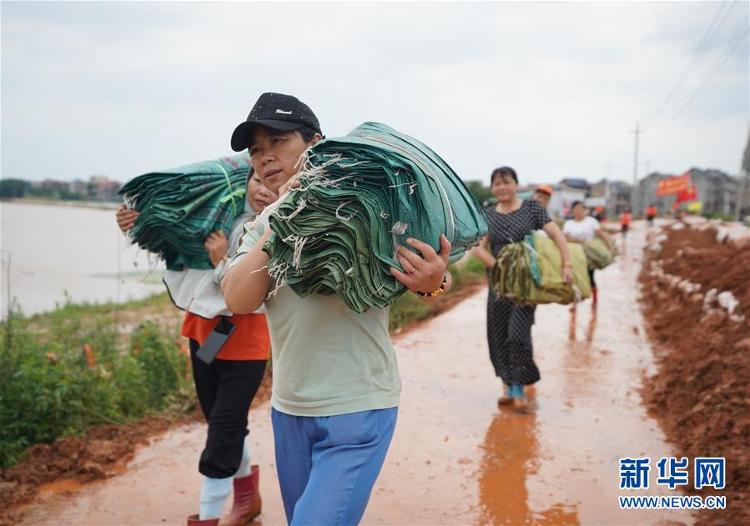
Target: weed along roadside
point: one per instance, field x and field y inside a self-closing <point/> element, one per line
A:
<point x="83" y="385"/>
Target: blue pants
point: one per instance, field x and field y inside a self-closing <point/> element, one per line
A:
<point x="327" y="466"/>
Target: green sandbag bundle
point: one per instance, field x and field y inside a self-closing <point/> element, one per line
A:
<point x="180" y="207"/>
<point x="360" y="196"/>
<point x="529" y="272"/>
<point x="598" y="254"/>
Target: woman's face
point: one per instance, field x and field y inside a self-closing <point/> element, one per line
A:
<point x="275" y="158"/>
<point x="579" y="211"/>
<point x="258" y="196"/>
<point x="504" y="188"/>
<point x="542" y="198"/>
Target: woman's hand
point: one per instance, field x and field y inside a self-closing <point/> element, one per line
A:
<point x="423" y="273"/>
<point x="217" y="246"/>
<point x="126" y="218"/>
<point x="483" y="254"/>
<point x="567" y="273"/>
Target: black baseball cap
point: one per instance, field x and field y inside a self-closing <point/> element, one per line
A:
<point x="274" y="110"/>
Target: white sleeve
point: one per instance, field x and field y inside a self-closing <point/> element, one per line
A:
<point x="253" y="233"/>
<point x="594" y="226"/>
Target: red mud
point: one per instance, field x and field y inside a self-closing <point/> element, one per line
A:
<point x="101" y="452"/>
<point x="702" y="385"/>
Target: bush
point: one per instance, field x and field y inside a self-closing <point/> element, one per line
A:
<point x="68" y="376"/>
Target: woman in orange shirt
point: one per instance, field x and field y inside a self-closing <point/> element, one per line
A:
<point x="227" y="385"/>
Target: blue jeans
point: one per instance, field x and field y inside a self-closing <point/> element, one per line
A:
<point x="327" y="465"/>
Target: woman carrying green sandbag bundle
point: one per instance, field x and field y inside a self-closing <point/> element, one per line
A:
<point x="508" y="323"/>
<point x="336" y="384"/>
<point x="583" y="228"/>
<point x="225" y="385"/>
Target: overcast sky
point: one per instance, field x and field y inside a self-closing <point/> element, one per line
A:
<point x="552" y="89"/>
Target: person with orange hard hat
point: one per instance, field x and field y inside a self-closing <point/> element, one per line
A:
<point x="543" y="194"/>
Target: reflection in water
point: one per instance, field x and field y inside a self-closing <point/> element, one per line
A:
<point x="590" y="329"/>
<point x="578" y="360"/>
<point x="510" y="458"/>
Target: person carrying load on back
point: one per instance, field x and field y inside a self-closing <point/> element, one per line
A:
<point x="227" y="385"/>
<point x="582" y="228"/>
<point x="508" y="323"/>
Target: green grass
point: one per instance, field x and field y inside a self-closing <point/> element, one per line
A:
<point x="48" y="388"/>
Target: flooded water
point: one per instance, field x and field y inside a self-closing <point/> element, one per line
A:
<point x="49" y="250"/>
<point x="456" y="458"/>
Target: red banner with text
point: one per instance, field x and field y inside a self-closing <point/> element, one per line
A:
<point x="673" y="185"/>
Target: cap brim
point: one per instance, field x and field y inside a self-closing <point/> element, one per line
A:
<point x="244" y="131"/>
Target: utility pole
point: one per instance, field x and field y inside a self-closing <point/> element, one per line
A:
<point x="634" y="194"/>
<point x="744" y="182"/>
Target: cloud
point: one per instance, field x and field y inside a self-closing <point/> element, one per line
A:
<point x="550" y="88"/>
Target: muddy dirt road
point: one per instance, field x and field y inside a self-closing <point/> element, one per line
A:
<point x="456" y="458"/>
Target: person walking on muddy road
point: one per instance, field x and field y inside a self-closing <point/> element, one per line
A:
<point x="581" y="228"/>
<point x="625" y="218"/>
<point x="509" y="324"/>
<point x="331" y="429"/>
<point x="227" y="384"/>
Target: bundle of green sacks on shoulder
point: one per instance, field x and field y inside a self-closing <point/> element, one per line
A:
<point x="598" y="254"/>
<point x="180" y="207"/>
<point x="359" y="197"/>
<point x="529" y="272"/>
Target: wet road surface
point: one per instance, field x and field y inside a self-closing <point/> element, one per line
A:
<point x="456" y="458"/>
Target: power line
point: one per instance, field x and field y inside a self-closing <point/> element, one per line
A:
<point x="705" y="41"/>
<point x="714" y="73"/>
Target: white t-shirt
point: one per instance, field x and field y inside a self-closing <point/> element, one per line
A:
<point x="584" y="230"/>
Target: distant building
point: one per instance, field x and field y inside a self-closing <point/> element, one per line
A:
<point x="50" y="185"/>
<point x="79" y="187"/>
<point x="575" y="183"/>
<point x="563" y="196"/>
<point x="717" y="192"/>
<point x="102" y="188"/>
<point x="618" y="198"/>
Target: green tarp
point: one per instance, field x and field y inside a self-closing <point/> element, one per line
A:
<point x="598" y="254"/>
<point x="180" y="207"/>
<point x="529" y="272"/>
<point x="359" y="196"/>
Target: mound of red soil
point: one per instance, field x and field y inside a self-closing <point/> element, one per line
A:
<point x="701" y="390"/>
<point x="101" y="452"/>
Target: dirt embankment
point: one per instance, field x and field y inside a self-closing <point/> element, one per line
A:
<point x="101" y="452"/>
<point x="696" y="305"/>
